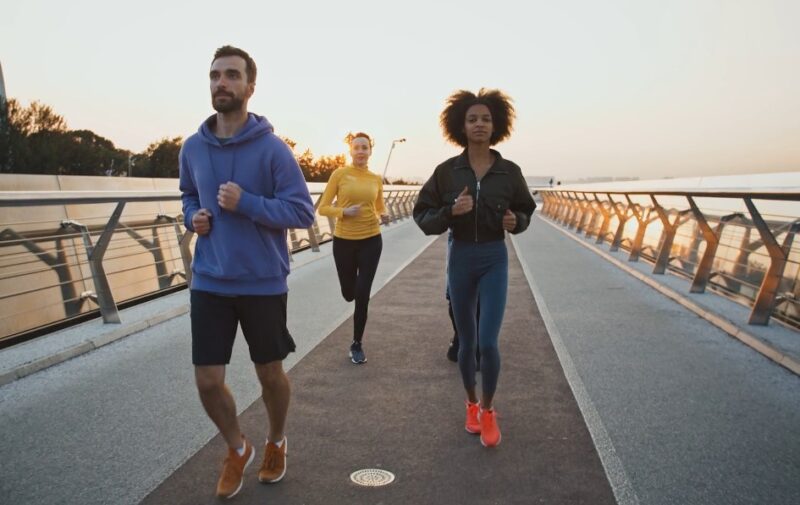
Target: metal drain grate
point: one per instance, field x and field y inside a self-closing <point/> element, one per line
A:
<point x="372" y="477"/>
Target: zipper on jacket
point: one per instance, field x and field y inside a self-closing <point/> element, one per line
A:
<point x="477" y="194"/>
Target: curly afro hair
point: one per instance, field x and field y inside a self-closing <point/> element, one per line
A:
<point x="352" y="136"/>
<point x="454" y="114"/>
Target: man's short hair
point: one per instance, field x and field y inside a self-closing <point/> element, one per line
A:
<point x="250" y="64"/>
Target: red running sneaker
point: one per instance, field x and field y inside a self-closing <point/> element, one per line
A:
<point x="473" y="424"/>
<point x="490" y="432"/>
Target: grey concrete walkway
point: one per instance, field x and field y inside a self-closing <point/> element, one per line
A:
<point x="680" y="412"/>
<point x="108" y="426"/>
<point x="691" y="415"/>
<point x="403" y="411"/>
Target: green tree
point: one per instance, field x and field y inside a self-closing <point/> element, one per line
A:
<point x="316" y="169"/>
<point x="325" y="165"/>
<point x="35" y="118"/>
<point x="4" y="136"/>
<point x="291" y="143"/>
<point x="91" y="154"/>
<point x="33" y="137"/>
<point x="160" y="159"/>
<point x="39" y="142"/>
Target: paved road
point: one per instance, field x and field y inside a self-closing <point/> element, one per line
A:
<point x="109" y="426"/>
<point x="403" y="411"/>
<point x="678" y="411"/>
<point x="694" y="416"/>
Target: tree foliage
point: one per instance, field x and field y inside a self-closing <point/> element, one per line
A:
<point x="318" y="169"/>
<point x="160" y="159"/>
<point x="37" y="140"/>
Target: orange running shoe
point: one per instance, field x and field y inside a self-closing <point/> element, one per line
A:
<point x="273" y="468"/>
<point x="490" y="432"/>
<point x="473" y="424"/>
<point x="230" y="482"/>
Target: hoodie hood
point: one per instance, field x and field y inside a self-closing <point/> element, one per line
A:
<point x="256" y="126"/>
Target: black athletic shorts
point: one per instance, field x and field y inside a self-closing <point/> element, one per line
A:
<point x="215" y="319"/>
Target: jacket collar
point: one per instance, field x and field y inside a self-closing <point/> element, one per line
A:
<point x="462" y="160"/>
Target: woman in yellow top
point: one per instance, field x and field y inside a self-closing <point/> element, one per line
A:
<point x="357" y="244"/>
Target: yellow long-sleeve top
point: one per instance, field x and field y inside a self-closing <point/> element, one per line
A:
<point x="353" y="186"/>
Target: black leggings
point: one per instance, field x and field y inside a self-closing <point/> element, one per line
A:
<point x="356" y="264"/>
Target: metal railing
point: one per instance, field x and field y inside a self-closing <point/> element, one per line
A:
<point x="735" y="242"/>
<point x="68" y="255"/>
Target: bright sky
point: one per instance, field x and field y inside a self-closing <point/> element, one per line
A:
<point x="618" y="88"/>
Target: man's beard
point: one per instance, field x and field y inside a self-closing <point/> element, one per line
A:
<point x="233" y="104"/>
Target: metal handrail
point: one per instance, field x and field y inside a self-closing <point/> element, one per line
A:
<point x="69" y="248"/>
<point x="31" y="198"/>
<point x="592" y="211"/>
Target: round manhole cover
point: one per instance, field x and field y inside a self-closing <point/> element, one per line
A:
<point x="372" y="477"/>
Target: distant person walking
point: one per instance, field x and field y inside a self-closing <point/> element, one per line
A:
<point x="241" y="189"/>
<point x="357" y="244"/>
<point x="479" y="196"/>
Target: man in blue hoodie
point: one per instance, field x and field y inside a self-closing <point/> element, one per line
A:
<point x="241" y="189"/>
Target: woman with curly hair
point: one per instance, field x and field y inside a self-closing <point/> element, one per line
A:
<point x="479" y="196"/>
<point x="359" y="211"/>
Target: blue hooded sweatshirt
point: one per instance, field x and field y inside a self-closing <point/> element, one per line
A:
<point x="245" y="253"/>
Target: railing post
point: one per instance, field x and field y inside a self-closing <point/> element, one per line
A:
<point x="559" y="206"/>
<point x="663" y="257"/>
<point x="402" y="205"/>
<point x="408" y="203"/>
<point x="574" y="207"/>
<point x="184" y="239"/>
<point x="711" y="237"/>
<point x="186" y="272"/>
<point x="642" y="220"/>
<point x="313" y="230"/>
<point x="574" y="210"/>
<point x="544" y="203"/>
<point x="95" y="253"/>
<point x="605" y="209"/>
<point x="563" y="208"/>
<point x="745" y="249"/>
<point x="312" y="235"/>
<point x="555" y="208"/>
<point x="593" y="215"/>
<point x="163" y="277"/>
<point x="391" y="199"/>
<point x="548" y="203"/>
<point x="552" y="209"/>
<point x="768" y="292"/>
<point x="595" y="206"/>
<point x="623" y="217"/>
<point x="402" y="197"/>
<point x="580" y="219"/>
<point x="391" y="204"/>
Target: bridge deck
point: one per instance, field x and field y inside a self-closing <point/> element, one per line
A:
<point x="606" y="386"/>
<point x="403" y="411"/>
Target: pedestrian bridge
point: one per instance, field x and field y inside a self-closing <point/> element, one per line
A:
<point x="618" y="385"/>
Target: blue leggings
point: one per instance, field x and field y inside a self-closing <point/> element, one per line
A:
<point x="478" y="271"/>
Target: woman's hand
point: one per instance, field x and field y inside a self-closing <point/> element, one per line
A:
<point x="385" y="219"/>
<point x="463" y="203"/>
<point x="352" y="210"/>
<point x="509" y="220"/>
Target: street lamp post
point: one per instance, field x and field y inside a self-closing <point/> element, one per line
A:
<point x="397" y="141"/>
